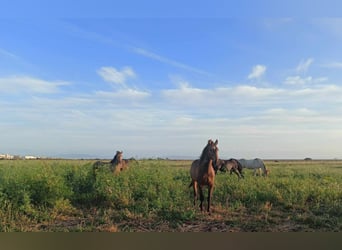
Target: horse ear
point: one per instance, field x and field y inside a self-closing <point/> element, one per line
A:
<point x="216" y="142"/>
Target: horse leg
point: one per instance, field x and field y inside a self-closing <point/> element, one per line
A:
<point x="194" y="185"/>
<point x="239" y="168"/>
<point x="236" y="172"/>
<point x="201" y="197"/>
<point x="210" y="193"/>
<point x="241" y="173"/>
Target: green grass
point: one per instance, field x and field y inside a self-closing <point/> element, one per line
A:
<point x="153" y="195"/>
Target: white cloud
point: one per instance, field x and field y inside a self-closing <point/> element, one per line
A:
<point x="168" y="61"/>
<point x="136" y="50"/>
<point x="283" y="111"/>
<point x="285" y="120"/>
<point x="334" y="65"/>
<point x="326" y="93"/>
<point x="123" y="94"/>
<point x="332" y="26"/>
<point x="277" y="23"/>
<point x="24" y="84"/>
<point x="298" y="80"/>
<point x="112" y="75"/>
<point x="221" y="97"/>
<point x="304" y="65"/>
<point x="254" y="92"/>
<point x="8" y="54"/>
<point x="128" y="94"/>
<point x="257" y="71"/>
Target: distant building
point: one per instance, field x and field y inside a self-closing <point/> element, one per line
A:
<point x="30" y="157"/>
<point x="6" y="156"/>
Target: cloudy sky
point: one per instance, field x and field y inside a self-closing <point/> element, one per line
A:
<point x="162" y="86"/>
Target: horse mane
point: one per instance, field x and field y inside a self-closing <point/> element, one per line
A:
<point x="115" y="159"/>
<point x="205" y="151"/>
<point x="210" y="154"/>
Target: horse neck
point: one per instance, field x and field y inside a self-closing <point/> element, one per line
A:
<point x="116" y="160"/>
<point x="264" y="169"/>
<point x="239" y="166"/>
<point x="206" y="165"/>
<point x="204" y="156"/>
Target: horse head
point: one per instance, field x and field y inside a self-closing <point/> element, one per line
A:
<point x="117" y="158"/>
<point x="119" y="155"/>
<point x="210" y="152"/>
<point x="267" y="172"/>
<point x="221" y="165"/>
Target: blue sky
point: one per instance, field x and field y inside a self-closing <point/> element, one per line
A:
<point x="153" y="86"/>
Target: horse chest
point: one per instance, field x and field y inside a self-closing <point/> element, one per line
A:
<point x="206" y="179"/>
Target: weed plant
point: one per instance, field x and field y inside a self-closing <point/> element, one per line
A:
<point x="67" y="195"/>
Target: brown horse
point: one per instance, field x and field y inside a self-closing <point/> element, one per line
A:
<point x="116" y="165"/>
<point x="202" y="172"/>
<point x="231" y="165"/>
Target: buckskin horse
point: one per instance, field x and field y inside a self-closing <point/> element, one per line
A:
<point x="116" y="165"/>
<point x="202" y="173"/>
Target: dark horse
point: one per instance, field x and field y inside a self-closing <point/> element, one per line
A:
<point x="231" y="165"/>
<point x="116" y="165"/>
<point x="202" y="172"/>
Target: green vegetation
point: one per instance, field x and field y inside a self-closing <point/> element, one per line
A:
<point x="153" y="195"/>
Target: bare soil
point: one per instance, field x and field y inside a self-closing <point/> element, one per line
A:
<point x="218" y="221"/>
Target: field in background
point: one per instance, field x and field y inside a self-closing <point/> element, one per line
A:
<point x="153" y="195"/>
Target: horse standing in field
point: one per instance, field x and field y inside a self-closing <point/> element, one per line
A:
<point x="256" y="164"/>
<point x="116" y="165"/>
<point x="202" y="172"/>
<point x="231" y="165"/>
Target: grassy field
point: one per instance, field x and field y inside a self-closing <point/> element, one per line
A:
<point x="153" y="195"/>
